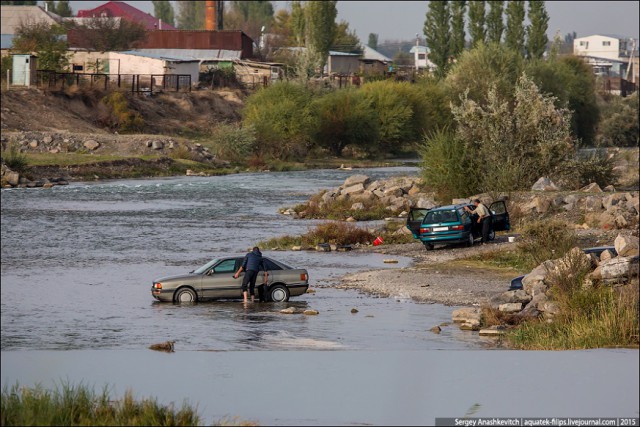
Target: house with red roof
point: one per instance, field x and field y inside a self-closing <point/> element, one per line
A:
<point x="123" y="10"/>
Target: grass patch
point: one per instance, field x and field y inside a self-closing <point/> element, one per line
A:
<point x="338" y="233"/>
<point x="78" y="405"/>
<point x="594" y="318"/>
<point x="337" y="209"/>
<point x="14" y="159"/>
<point x="71" y="159"/>
<point x="513" y="260"/>
<point x="546" y="239"/>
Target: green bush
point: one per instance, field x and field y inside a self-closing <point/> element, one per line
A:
<point x="346" y="117"/>
<point x="122" y="117"/>
<point x="546" y="239"/>
<point x="619" y="125"/>
<point x="234" y="142"/>
<point x="445" y="168"/>
<point x="14" y="159"/>
<point x="597" y="167"/>
<point x="338" y="233"/>
<point x="72" y="406"/>
<point x="281" y="118"/>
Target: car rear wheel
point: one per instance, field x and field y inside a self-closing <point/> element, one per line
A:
<point x="470" y="240"/>
<point x="429" y="246"/>
<point x="185" y="295"/>
<point x="279" y="293"/>
<point x="492" y="234"/>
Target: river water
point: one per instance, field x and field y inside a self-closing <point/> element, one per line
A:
<point x="78" y="261"/>
<point x="77" y="266"/>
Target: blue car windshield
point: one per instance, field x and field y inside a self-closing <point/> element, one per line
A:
<point x="437" y="217"/>
<point x="205" y="267"/>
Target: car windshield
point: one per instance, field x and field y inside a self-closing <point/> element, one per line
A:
<point x="205" y="267"/>
<point x="436" y="217"/>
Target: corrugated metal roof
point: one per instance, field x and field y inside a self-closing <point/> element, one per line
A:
<point x="370" y="53"/>
<point x="12" y="16"/>
<point x="336" y="53"/>
<point x="155" y="56"/>
<point x="195" y="54"/>
<point x="6" y="40"/>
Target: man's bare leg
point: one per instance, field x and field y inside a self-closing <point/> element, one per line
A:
<point x="244" y="294"/>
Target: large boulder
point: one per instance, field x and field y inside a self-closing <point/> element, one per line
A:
<point x="157" y="145"/>
<point x="91" y="144"/>
<point x="353" y="189"/>
<point x="619" y="269"/>
<point x="533" y="283"/>
<point x="394" y="191"/>
<point x="516" y="296"/>
<point x="626" y="245"/>
<point x="592" y="203"/>
<point x="531" y="309"/>
<point x="356" y="179"/>
<point x="357" y="206"/>
<point x="13" y="178"/>
<point x="544" y="184"/>
<point x="609" y="201"/>
<point x="591" y="188"/>
<point x="467" y="314"/>
<point x="510" y="307"/>
<point x="423" y="203"/>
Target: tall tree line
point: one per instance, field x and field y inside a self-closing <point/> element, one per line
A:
<point x="163" y="9"/>
<point x="444" y="28"/>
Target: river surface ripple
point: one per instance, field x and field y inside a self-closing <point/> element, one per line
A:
<point x="78" y="261"/>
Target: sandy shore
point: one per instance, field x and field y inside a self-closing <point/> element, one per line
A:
<point x="432" y="278"/>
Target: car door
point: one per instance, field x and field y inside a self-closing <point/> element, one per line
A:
<point x="218" y="282"/>
<point x="500" y="216"/>
<point x="414" y="220"/>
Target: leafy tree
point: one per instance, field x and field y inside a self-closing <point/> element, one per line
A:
<point x="373" y="41"/>
<point x="458" y="8"/>
<point x="437" y="33"/>
<point x="394" y="112"/>
<point x="50" y="5"/>
<point x="567" y="47"/>
<point x="486" y="66"/>
<point x="298" y="27"/>
<point x="281" y="118"/>
<point x="64" y="9"/>
<point x="46" y="41"/>
<point x="191" y="15"/>
<point x="320" y="25"/>
<point x="105" y="35"/>
<point x="510" y="145"/>
<point x="345" y="40"/>
<point x="476" y="22"/>
<point x="619" y="125"/>
<point x="18" y="3"/>
<point x="345" y="118"/>
<point x="163" y="9"/>
<point x="250" y="17"/>
<point x="403" y="58"/>
<point x="572" y="83"/>
<point x="495" y="25"/>
<point x="537" y="32"/>
<point x="281" y="27"/>
<point x="515" y="32"/>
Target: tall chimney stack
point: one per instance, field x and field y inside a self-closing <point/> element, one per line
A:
<point x="210" y="15"/>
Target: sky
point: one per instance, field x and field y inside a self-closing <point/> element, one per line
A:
<point x="401" y="20"/>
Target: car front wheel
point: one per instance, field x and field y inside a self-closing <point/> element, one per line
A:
<point x="279" y="293"/>
<point x="185" y="295"/>
<point x="470" y="240"/>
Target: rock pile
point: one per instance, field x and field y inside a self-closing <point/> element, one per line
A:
<point x="13" y="179"/>
<point x="396" y="194"/>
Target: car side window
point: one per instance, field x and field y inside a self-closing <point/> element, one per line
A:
<point x="464" y="215"/>
<point x="271" y="266"/>
<point x="226" y="266"/>
<point x="498" y="208"/>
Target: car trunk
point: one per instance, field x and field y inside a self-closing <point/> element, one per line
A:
<point x="414" y="220"/>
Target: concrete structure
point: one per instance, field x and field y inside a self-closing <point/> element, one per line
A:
<point x="421" y="58"/>
<point x="602" y="46"/>
<point x="124" y="10"/>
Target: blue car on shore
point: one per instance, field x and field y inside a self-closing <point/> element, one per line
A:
<point x="453" y="224"/>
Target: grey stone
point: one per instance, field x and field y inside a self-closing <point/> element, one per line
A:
<point x="459" y="201"/>
<point x="470" y="325"/>
<point x="91" y="144"/>
<point x="394" y="191"/>
<point x="626" y="245"/>
<point x="310" y="312"/>
<point x="612" y="200"/>
<point x="290" y="310"/>
<point x="605" y="255"/>
<point x="353" y="189"/>
<point x="356" y="179"/>
<point x="47" y="139"/>
<point x="531" y="309"/>
<point x="466" y="314"/>
<point x="354" y="310"/>
<point x="592" y="203"/>
<point x="33" y="144"/>
<point x="516" y="296"/>
<point x="549" y="307"/>
<point x="351" y="219"/>
<point x="493" y="331"/>
<point x="544" y="184"/>
<point x="435" y="329"/>
<point x="423" y="203"/>
<point x="157" y="145"/>
<point x="357" y="206"/>
<point x="13" y="178"/>
<point x="632" y="206"/>
<point x="609" y="188"/>
<point x="323" y="247"/>
<point x="511" y="307"/>
<point x="619" y="268"/>
<point x="48" y="185"/>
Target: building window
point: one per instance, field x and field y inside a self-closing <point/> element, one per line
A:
<point x="606" y="43"/>
<point x="422" y="56"/>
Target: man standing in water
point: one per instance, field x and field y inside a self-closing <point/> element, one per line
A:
<point x="251" y="264"/>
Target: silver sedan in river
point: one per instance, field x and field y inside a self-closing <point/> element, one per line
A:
<point x="214" y="280"/>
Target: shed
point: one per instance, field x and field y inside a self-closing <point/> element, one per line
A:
<point x="133" y="62"/>
<point x="343" y="63"/>
<point x="23" y="69"/>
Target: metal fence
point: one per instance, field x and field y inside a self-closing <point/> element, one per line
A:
<point x="134" y="83"/>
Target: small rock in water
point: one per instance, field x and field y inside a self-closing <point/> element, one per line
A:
<point x="296" y="248"/>
<point x="290" y="310"/>
<point x="311" y="291"/>
<point x="435" y="329"/>
<point x="351" y="219"/>
<point x="390" y="261"/>
<point x="311" y="312"/>
<point x="165" y="346"/>
<point x="354" y="310"/>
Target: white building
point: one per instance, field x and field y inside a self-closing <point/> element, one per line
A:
<point x="602" y="46"/>
<point x="421" y="58"/>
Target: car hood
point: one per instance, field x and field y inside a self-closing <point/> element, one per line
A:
<point x="176" y="277"/>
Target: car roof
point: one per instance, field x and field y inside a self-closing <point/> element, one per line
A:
<point x="450" y="207"/>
